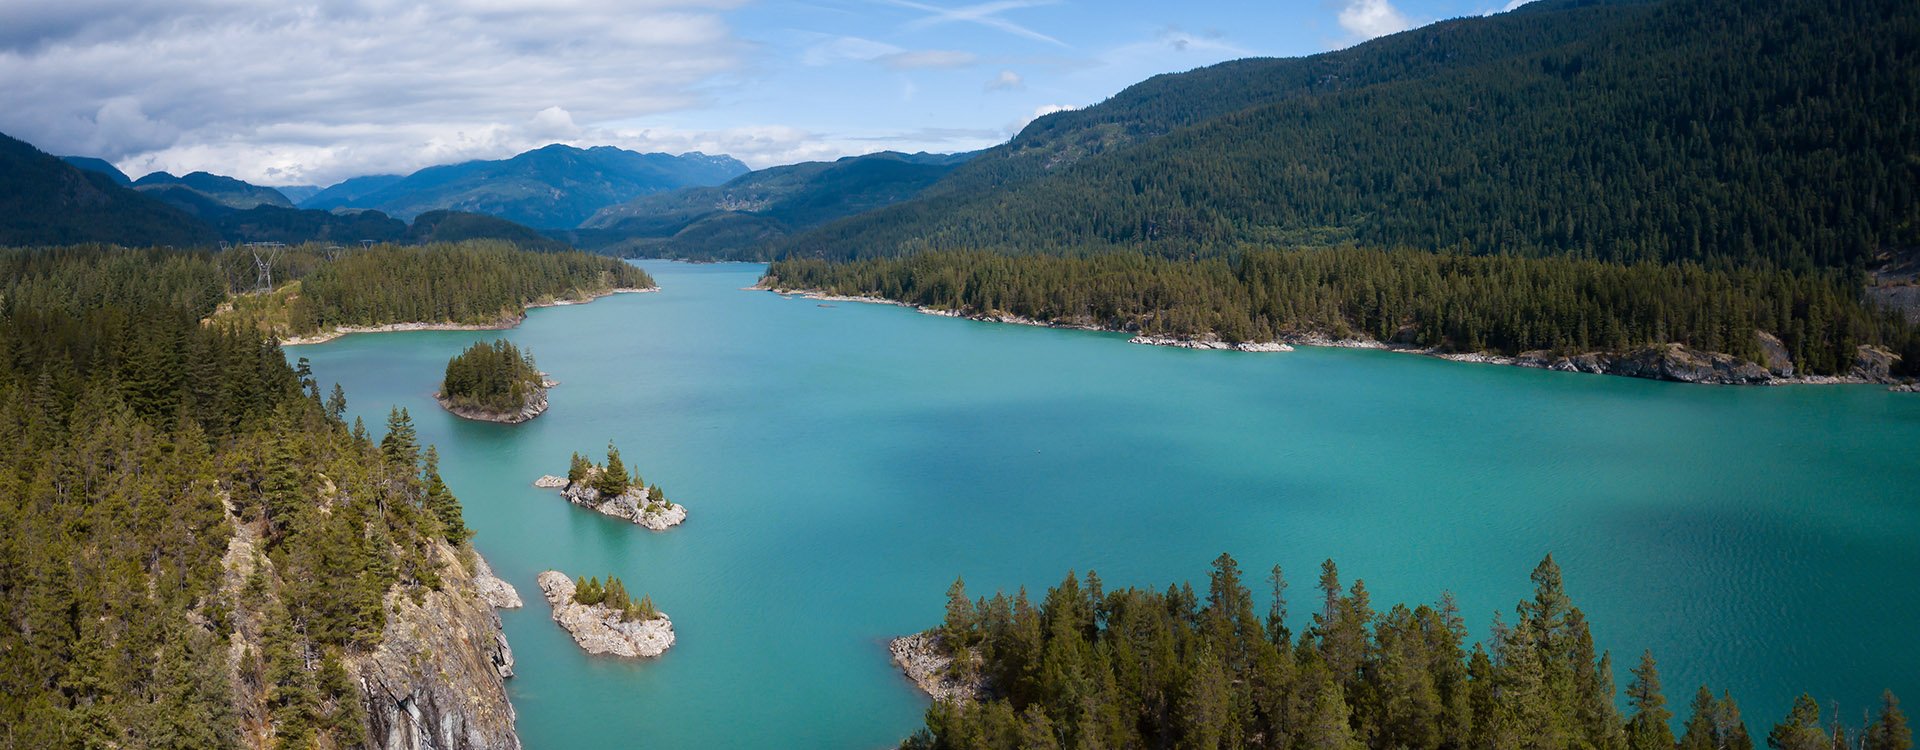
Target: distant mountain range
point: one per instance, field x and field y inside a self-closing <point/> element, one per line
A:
<point x="747" y="217"/>
<point x="555" y="187"/>
<point x="601" y="198"/>
<point x="46" y="200"/>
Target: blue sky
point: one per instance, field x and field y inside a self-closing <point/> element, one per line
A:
<point x="314" y="91"/>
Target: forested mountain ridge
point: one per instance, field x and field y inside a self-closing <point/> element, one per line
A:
<point x="746" y="217"/>
<point x="44" y="200"/>
<point x="1741" y="131"/>
<point x="198" y="551"/>
<point x="221" y="189"/>
<point x="553" y="187"/>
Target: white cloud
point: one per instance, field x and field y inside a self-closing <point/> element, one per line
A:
<point x="1014" y="128"/>
<point x="1006" y="81"/>
<point x="318" y="90"/>
<point x="1372" y="18"/>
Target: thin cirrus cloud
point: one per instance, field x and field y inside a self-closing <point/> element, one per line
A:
<point x="990" y="15"/>
<point x="859" y="49"/>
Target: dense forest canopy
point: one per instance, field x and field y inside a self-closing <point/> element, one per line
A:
<point x="1137" y="668"/>
<point x="1778" y="131"/>
<point x="494" y="376"/>
<point x="1462" y="303"/>
<point x="140" y="447"/>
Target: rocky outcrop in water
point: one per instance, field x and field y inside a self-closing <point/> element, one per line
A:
<point x="923" y="658"/>
<point x="633" y="505"/>
<point x="600" y="629"/>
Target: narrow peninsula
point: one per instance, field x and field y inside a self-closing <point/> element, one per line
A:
<point x="610" y="490"/>
<point x="312" y="293"/>
<point x="604" y="618"/>
<point x="494" y="382"/>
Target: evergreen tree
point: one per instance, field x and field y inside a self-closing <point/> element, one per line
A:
<point x="399" y="446"/>
<point x="1889" y="730"/>
<point x="1650" y="726"/>
<point x="612" y="481"/>
<point x="1801" y="730"/>
<point x="440" y="499"/>
<point x="578" y="468"/>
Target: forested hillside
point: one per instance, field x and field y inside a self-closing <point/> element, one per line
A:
<point x="1089" y="667"/>
<point x="140" y="448"/>
<point x="44" y="200"/>
<point x="1773" y="131"/>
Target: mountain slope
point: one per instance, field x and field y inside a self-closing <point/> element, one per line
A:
<point x="347" y="191"/>
<point x="743" y="218"/>
<point x="45" y="201"/>
<point x="1687" y="129"/>
<point x="555" y="187"/>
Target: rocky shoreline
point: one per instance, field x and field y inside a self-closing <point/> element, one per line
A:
<point x="631" y="505"/>
<point x="601" y="630"/>
<point x="1671" y="362"/>
<point x="498" y="325"/>
<point x="535" y="405"/>
<point x="922" y="658"/>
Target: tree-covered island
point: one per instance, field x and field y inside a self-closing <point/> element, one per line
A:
<point x="494" y="382"/>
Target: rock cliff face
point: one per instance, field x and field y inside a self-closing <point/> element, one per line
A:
<point x="599" y="629"/>
<point x="436" y="680"/>
<point x="631" y="505"/>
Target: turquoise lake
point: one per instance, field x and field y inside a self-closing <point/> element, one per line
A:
<point x="842" y="464"/>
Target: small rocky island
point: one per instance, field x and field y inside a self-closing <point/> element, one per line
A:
<point x="612" y="491"/>
<point x="604" y="618"/>
<point x="494" y="382"/>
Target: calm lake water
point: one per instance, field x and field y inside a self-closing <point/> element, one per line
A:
<point x="843" y="463"/>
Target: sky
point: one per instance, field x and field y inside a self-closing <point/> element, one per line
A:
<point x="297" y="92"/>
